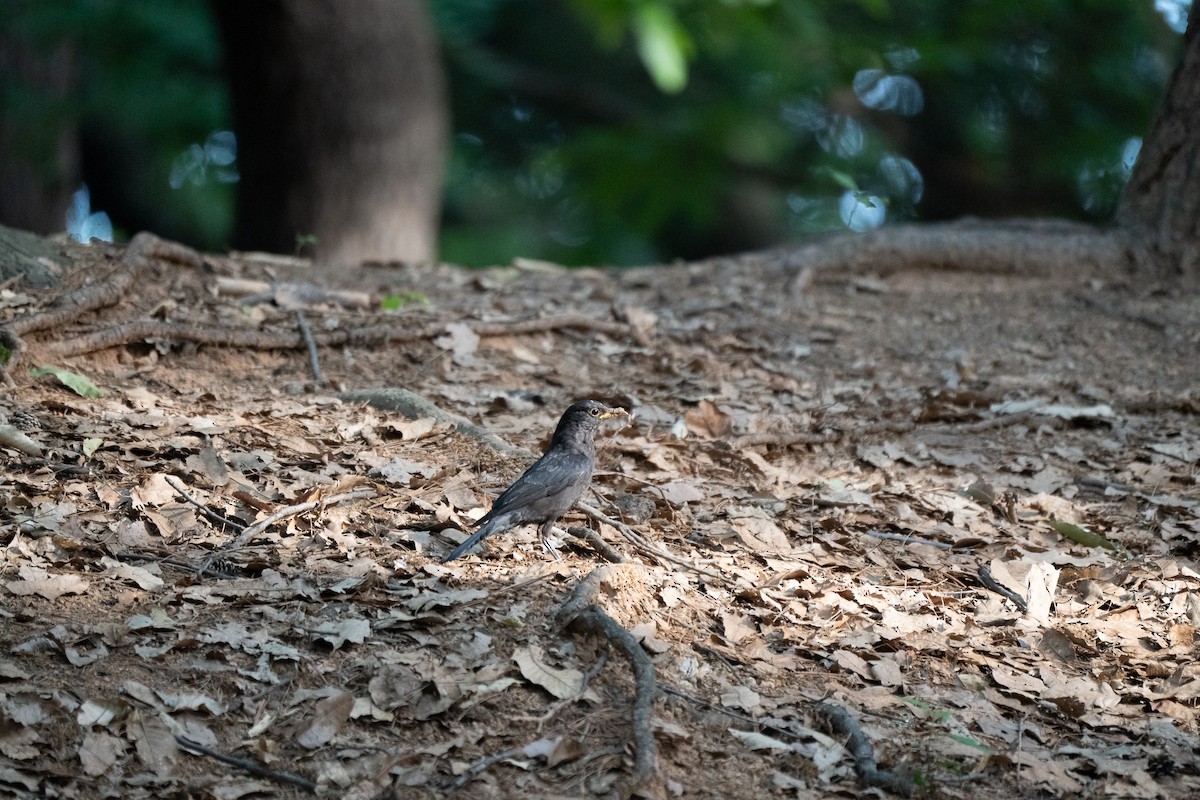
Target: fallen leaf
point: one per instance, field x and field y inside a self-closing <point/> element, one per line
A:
<point x="708" y="421"/>
<point x="327" y="719"/>
<point x="562" y="683"/>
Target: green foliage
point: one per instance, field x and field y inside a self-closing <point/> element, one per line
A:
<point x="149" y="85"/>
<point x="633" y="131"/>
<point x="395" y="302"/>
<point x="77" y="383"/>
<point x="629" y="131"/>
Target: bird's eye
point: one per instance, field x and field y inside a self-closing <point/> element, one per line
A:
<point x="595" y="412"/>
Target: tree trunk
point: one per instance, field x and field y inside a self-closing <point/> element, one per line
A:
<point x="341" y="119"/>
<point x="1160" y="207"/>
<point x="39" y="162"/>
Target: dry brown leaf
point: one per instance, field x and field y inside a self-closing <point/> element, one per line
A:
<point x="99" y="751"/>
<point x="708" y="421"/>
<point x="562" y="683"/>
<point x="156" y="747"/>
<point x="326" y="721"/>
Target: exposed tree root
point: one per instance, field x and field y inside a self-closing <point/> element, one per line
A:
<point x="859" y="745"/>
<point x="581" y="612"/>
<point x="1020" y="246"/>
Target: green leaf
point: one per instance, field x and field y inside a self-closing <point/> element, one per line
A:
<point x="968" y="741"/>
<point x="663" y="45"/>
<point x="72" y="380"/>
<point x="1081" y="536"/>
<point x="393" y="302"/>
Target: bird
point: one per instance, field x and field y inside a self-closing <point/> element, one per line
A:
<point x="553" y="483"/>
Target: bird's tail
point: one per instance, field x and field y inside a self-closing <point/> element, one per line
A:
<point x="472" y="540"/>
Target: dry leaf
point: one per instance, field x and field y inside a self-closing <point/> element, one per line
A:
<point x="327" y="719"/>
<point x="708" y="421"/>
<point x="562" y="683"/>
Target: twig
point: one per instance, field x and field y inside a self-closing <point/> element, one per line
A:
<point x="985" y="577"/>
<point x="907" y="538"/>
<point x="246" y="765"/>
<point x="642" y="545"/>
<point x="593" y="670"/>
<point x="291" y="511"/>
<point x="313" y="361"/>
<point x="580" y="611"/>
<point x="213" y="516"/>
<point x="596" y="543"/>
<point x="479" y="766"/>
<point x="859" y="745"/>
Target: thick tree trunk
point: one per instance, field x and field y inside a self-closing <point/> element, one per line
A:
<point x="1160" y="207"/>
<point x="39" y="164"/>
<point x="341" y="119"/>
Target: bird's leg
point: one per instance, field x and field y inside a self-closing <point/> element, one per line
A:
<point x="544" y="531"/>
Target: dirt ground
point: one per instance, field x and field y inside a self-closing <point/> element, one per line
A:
<point x="829" y="476"/>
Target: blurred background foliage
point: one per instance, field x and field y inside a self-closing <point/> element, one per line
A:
<point x="638" y="131"/>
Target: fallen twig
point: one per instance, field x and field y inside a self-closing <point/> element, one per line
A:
<point x="859" y="745"/>
<point x="291" y="511"/>
<point x="246" y="765"/>
<point x="213" y="516"/>
<point x="640" y="543"/>
<point x="596" y="543"/>
<point x="907" y="538"/>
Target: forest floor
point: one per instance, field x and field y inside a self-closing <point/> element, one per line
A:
<point x="832" y="479"/>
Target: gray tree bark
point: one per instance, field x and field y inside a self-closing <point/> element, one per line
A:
<point x="1160" y="207"/>
<point x="341" y="119"/>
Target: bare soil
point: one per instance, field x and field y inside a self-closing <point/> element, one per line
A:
<point x="837" y="469"/>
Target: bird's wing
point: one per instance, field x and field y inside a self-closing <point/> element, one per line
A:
<point x="554" y="473"/>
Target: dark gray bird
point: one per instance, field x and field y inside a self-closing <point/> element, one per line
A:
<point x="553" y="483"/>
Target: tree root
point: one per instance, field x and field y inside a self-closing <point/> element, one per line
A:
<point x="146" y="251"/>
<point x="1011" y="247"/>
<point x="581" y="612"/>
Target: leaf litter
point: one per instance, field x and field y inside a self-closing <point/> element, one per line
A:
<point x="331" y="644"/>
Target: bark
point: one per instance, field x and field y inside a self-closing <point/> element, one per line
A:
<point x="39" y="163"/>
<point x="1160" y="207"/>
<point x="341" y="120"/>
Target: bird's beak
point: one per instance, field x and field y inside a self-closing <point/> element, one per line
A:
<point x="609" y="413"/>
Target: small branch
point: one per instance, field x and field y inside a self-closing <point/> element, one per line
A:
<point x="859" y="745"/>
<point x="596" y="543"/>
<point x="246" y="765"/>
<point x="581" y="612"/>
<point x="251" y="531"/>
<point x="313" y="361"/>
<point x="213" y="516"/>
<point x="907" y="538"/>
<point x="642" y="545"/>
<point x="479" y="766"/>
